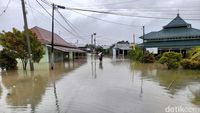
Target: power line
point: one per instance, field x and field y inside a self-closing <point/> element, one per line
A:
<point x="66" y="21"/>
<point x="5" y="8"/>
<point x="115" y="3"/>
<point x="106" y="20"/>
<point x="55" y="19"/>
<point x="128" y="15"/>
<point x="119" y="14"/>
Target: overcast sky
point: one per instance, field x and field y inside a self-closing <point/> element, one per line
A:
<point x="107" y="33"/>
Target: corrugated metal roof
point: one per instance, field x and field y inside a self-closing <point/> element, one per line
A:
<point x="122" y="46"/>
<point x="64" y="49"/>
<point x="44" y="37"/>
<point x="172" y="44"/>
<point x="176" y="22"/>
<point x="177" y="28"/>
<point x="173" y="32"/>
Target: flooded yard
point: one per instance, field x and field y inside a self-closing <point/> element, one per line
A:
<point x="88" y="86"/>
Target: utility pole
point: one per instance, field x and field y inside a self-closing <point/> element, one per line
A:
<point x="52" y="39"/>
<point x="91" y="44"/>
<point x="27" y="36"/>
<point x="143" y="29"/>
<point x="94" y="43"/>
<point x="52" y="35"/>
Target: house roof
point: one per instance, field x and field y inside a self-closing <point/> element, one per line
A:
<point x="176" y="22"/>
<point x="64" y="49"/>
<point x="44" y="37"/>
<point x="122" y="46"/>
<point x="177" y="28"/>
<point x="172" y="44"/>
<point x="173" y="32"/>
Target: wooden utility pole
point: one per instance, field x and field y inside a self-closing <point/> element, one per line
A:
<point x="27" y="36"/>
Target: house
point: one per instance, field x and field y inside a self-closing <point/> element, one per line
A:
<point x="121" y="49"/>
<point x="63" y="50"/>
<point x="178" y="36"/>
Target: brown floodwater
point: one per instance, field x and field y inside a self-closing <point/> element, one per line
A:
<point x="88" y="86"/>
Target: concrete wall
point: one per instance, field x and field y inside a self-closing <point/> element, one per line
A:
<point x="45" y="57"/>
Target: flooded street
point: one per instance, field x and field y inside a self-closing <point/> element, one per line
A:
<point x="113" y="86"/>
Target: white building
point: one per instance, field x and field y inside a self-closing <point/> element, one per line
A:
<point x="121" y="49"/>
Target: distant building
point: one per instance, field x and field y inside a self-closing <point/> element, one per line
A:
<point x="121" y="49"/>
<point x="1" y="48"/>
<point x="62" y="49"/>
<point x="178" y="36"/>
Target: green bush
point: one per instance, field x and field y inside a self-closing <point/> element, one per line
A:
<point x="136" y="53"/>
<point x="7" y="60"/>
<point x="171" y="59"/>
<point x="190" y="64"/>
<point x="173" y="65"/>
<point x="147" y="58"/>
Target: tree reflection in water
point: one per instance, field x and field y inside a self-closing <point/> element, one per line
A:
<point x="27" y="88"/>
<point x="171" y="80"/>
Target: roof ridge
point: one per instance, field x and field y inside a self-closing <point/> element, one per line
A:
<point x="176" y="22"/>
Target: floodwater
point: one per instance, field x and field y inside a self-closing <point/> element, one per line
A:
<point x="88" y="86"/>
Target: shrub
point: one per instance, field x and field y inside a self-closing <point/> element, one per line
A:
<point x="171" y="59"/>
<point x="7" y="60"/>
<point x="136" y="53"/>
<point x="147" y="57"/>
<point x="190" y="64"/>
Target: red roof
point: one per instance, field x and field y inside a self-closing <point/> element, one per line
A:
<point x="45" y="37"/>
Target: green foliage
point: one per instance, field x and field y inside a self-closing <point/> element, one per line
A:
<point x="193" y="62"/>
<point x="136" y="53"/>
<point x="190" y="64"/>
<point x="16" y="41"/>
<point x="194" y="54"/>
<point x="171" y="59"/>
<point x="147" y="58"/>
<point x="7" y="60"/>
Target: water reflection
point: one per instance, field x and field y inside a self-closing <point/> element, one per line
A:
<point x="101" y="65"/>
<point x="25" y="88"/>
<point x="94" y="66"/>
<point x="120" y="87"/>
<point x="173" y="81"/>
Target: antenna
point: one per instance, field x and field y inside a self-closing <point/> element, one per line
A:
<point x="178" y="12"/>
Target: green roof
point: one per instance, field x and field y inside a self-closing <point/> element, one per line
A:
<point x="172" y="44"/>
<point x="177" y="28"/>
<point x="176" y="22"/>
<point x="173" y="33"/>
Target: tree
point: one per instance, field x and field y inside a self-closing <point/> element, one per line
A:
<point x="136" y="53"/>
<point x="172" y="59"/>
<point x="148" y="57"/>
<point x="16" y="41"/>
<point x="7" y="60"/>
<point x="194" y="54"/>
<point x="193" y="61"/>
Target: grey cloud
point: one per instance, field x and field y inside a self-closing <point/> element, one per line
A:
<point x="107" y="33"/>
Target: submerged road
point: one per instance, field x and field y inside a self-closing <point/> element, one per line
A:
<point x="113" y="86"/>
